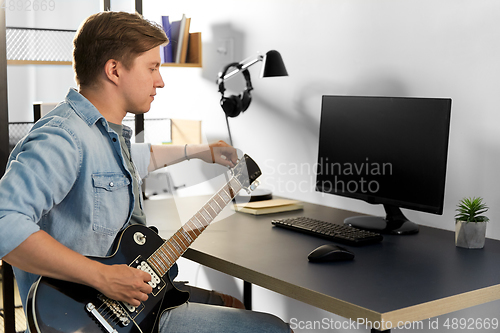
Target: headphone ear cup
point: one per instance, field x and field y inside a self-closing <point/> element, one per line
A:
<point x="231" y="106"/>
<point x="246" y="98"/>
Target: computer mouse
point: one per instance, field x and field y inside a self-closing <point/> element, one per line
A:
<point x="330" y="252"/>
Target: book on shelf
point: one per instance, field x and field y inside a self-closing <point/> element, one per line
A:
<point x="167" y="55"/>
<point x="175" y="27"/>
<point x="182" y="39"/>
<point x="268" y="206"/>
<point x="185" y="41"/>
<point x="183" y="47"/>
<point x="194" y="45"/>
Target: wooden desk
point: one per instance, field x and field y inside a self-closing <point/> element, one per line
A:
<point x="401" y="280"/>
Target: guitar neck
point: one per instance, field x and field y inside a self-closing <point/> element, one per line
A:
<point x="167" y="254"/>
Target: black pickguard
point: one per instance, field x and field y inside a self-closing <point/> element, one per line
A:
<point x="60" y="306"/>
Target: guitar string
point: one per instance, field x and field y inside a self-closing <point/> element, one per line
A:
<point x="178" y="246"/>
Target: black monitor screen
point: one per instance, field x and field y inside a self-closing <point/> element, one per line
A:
<point x="385" y="150"/>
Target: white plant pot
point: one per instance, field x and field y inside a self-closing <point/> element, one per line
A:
<point x="470" y="235"/>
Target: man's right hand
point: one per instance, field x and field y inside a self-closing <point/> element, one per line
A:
<point x="124" y="283"/>
<point x="43" y="255"/>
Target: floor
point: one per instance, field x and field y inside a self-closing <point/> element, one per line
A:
<point x="19" y="314"/>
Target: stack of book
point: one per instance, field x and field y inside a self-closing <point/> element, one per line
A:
<point x="268" y="206"/>
<point x="182" y="46"/>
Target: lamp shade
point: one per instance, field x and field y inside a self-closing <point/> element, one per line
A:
<point x="273" y="65"/>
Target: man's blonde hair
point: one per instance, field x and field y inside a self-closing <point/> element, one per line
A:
<point x="108" y="35"/>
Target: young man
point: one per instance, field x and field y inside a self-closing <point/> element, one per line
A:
<point x="73" y="182"/>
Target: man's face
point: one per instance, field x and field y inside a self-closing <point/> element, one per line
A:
<point x="141" y="81"/>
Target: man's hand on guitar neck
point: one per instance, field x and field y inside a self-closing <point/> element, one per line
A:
<point x="43" y="255"/>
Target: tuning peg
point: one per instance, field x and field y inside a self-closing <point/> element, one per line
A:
<point x="254" y="185"/>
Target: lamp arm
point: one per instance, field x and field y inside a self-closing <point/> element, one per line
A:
<point x="243" y="67"/>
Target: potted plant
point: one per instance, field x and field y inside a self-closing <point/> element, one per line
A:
<point x="470" y="223"/>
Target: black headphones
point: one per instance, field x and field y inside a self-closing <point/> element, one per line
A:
<point x="234" y="105"/>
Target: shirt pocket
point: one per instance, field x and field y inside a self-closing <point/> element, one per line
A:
<point x="111" y="202"/>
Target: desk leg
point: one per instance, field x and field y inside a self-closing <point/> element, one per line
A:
<point x="8" y="298"/>
<point x="247" y="295"/>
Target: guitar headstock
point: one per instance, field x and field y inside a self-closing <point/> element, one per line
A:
<point x="247" y="172"/>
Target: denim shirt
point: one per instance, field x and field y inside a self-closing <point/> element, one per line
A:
<point x="68" y="177"/>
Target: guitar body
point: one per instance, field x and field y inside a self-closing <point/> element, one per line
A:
<point x="60" y="306"/>
<point x="56" y="306"/>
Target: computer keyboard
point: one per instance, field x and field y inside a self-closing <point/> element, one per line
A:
<point x="335" y="232"/>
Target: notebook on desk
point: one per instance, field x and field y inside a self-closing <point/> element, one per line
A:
<point x="268" y="206"/>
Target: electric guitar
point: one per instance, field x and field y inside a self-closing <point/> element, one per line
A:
<point x="60" y="306"/>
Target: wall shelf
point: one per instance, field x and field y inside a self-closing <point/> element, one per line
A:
<point x="182" y="65"/>
<point x="37" y="62"/>
<point x="30" y="46"/>
<point x="34" y="62"/>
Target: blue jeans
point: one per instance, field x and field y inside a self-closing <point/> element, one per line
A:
<point x="194" y="317"/>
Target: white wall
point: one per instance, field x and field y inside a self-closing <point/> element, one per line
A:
<point x="427" y="48"/>
<point x="400" y="48"/>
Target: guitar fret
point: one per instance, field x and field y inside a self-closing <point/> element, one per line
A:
<point x="206" y="216"/>
<point x="164" y="258"/>
<point x="203" y="221"/>
<point x="215" y="208"/>
<point x="162" y="269"/>
<point x="225" y="196"/>
<point x="155" y="265"/>
<point x="176" y="247"/>
<point x="199" y="226"/>
<point x="171" y="252"/>
<point x="191" y="226"/>
<point x="192" y="230"/>
<point x="235" y="185"/>
<point x="207" y="213"/>
<point x="186" y="235"/>
<point x="181" y="242"/>
<point x="162" y="263"/>
<point x="199" y="221"/>
<point x="221" y="205"/>
<point x="208" y="209"/>
<point x="230" y="190"/>
<point x="217" y="204"/>
<point x="164" y="253"/>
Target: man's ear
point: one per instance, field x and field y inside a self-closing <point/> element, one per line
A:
<point x="112" y="70"/>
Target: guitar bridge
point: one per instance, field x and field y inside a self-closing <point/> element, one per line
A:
<point x="117" y="315"/>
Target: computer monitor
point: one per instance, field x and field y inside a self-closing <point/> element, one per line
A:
<point x="385" y="150"/>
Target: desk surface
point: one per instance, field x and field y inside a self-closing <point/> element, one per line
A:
<point x="403" y="278"/>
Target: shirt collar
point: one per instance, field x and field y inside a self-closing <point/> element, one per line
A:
<point x="89" y="113"/>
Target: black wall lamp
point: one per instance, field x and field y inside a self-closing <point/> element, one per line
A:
<point x="235" y="104"/>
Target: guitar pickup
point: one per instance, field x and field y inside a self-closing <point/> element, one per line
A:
<point x="156" y="282"/>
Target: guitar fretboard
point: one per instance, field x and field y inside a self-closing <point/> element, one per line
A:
<point x="172" y="249"/>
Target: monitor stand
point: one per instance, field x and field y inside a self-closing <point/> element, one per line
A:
<point x="395" y="222"/>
